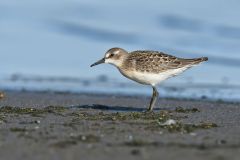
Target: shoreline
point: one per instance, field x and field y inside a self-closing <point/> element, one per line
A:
<point x="182" y="89"/>
<point x="118" y="94"/>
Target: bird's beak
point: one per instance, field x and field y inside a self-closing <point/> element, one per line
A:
<point x="98" y="62"/>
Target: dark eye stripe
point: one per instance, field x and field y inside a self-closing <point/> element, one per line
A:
<point x="111" y="55"/>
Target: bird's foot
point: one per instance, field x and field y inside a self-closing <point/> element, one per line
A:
<point x="148" y="111"/>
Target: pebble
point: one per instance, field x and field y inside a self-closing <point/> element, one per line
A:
<point x="2" y="95"/>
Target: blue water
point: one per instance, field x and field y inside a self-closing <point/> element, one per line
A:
<point x="50" y="44"/>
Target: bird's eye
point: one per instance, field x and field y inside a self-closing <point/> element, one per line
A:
<point x="110" y="55"/>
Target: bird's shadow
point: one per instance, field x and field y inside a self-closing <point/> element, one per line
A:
<point x="115" y="108"/>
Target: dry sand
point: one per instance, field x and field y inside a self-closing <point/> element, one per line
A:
<point x="68" y="126"/>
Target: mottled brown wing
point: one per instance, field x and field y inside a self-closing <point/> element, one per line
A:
<point x="156" y="62"/>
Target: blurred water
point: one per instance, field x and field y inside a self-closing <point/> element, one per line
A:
<point x="59" y="40"/>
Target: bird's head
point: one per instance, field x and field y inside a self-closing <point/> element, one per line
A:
<point x="113" y="56"/>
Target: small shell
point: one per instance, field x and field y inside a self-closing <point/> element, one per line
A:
<point x="2" y="95"/>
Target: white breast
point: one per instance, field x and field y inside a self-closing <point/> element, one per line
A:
<point x="152" y="78"/>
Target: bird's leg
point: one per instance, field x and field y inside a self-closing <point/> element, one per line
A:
<point x="153" y="99"/>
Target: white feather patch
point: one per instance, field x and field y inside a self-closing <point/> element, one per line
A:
<point x="153" y="78"/>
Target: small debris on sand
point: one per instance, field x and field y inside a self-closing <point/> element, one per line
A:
<point x="2" y="95"/>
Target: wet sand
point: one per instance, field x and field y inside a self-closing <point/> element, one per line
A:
<point x="46" y="125"/>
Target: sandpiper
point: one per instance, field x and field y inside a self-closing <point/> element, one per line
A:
<point x="148" y="67"/>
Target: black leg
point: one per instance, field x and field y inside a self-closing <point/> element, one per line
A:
<point x="153" y="99"/>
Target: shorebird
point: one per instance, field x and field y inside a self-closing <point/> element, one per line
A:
<point x="148" y="67"/>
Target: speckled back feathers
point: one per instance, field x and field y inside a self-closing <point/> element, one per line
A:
<point x="156" y="62"/>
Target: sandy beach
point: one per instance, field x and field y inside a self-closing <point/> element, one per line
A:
<point x="55" y="106"/>
<point x="47" y="125"/>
